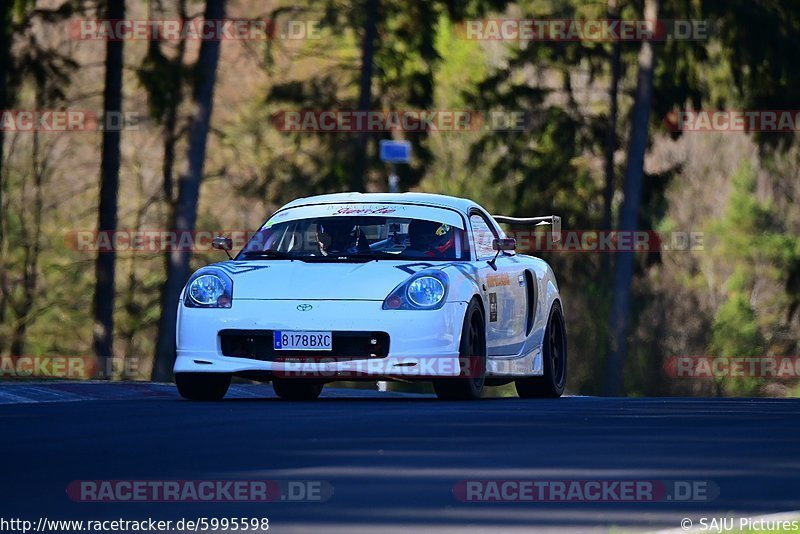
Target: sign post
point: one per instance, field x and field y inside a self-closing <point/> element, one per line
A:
<point x="394" y="152"/>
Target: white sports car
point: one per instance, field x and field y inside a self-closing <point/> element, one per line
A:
<point x="356" y="286"/>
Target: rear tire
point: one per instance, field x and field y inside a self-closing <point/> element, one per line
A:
<point x="472" y="356"/>
<point x="202" y="386"/>
<point x="297" y="389"/>
<point x="554" y="354"/>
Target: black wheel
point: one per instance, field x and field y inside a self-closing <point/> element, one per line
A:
<point x="202" y="386"/>
<point x="297" y="388"/>
<point x="472" y="353"/>
<point x="555" y="361"/>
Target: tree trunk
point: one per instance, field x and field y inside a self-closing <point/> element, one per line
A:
<point x="109" y="188"/>
<point x="33" y="241"/>
<point x="5" y="52"/>
<point x="611" y="137"/>
<point x="171" y="135"/>
<point x="357" y="179"/>
<point x="185" y="214"/>
<point x="629" y="213"/>
<point x="30" y="275"/>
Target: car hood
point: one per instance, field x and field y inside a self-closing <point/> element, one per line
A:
<point x="283" y="279"/>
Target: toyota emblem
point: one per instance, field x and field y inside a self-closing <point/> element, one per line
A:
<point x="304" y="307"/>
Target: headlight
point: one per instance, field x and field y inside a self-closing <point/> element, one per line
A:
<point x="425" y="290"/>
<point x="206" y="289"/>
<point x="209" y="289"/>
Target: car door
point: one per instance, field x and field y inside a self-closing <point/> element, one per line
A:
<point x="503" y="289"/>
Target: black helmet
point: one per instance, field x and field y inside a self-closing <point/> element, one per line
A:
<point x="426" y="235"/>
<point x="335" y="234"/>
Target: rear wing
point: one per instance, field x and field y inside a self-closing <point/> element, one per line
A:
<point x="554" y="221"/>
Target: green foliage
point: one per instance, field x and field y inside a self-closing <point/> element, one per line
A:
<point x="20" y="9"/>
<point x="735" y="329"/>
<point x="751" y="233"/>
<point x="752" y="240"/>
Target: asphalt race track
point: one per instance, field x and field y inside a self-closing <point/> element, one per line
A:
<point x="392" y="460"/>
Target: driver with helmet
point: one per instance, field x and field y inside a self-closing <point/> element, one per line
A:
<point x="430" y="239"/>
<point x="340" y="236"/>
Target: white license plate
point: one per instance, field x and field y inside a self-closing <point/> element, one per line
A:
<point x="302" y="340"/>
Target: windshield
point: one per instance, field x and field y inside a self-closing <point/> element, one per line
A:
<point x="343" y="238"/>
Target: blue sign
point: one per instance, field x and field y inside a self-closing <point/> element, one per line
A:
<point x="395" y="151"/>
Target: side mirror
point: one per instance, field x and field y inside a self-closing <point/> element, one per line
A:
<point x="507" y="244"/>
<point x="222" y="243"/>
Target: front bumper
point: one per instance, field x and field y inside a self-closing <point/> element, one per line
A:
<point x="422" y="343"/>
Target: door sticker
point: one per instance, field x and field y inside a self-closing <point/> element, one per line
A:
<point x="492" y="307"/>
<point x="498" y="280"/>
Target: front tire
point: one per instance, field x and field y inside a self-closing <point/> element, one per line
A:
<point x="472" y="356"/>
<point x="202" y="386"/>
<point x="297" y="389"/>
<point x="554" y="354"/>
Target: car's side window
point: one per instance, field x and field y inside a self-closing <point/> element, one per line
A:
<point x="483" y="234"/>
